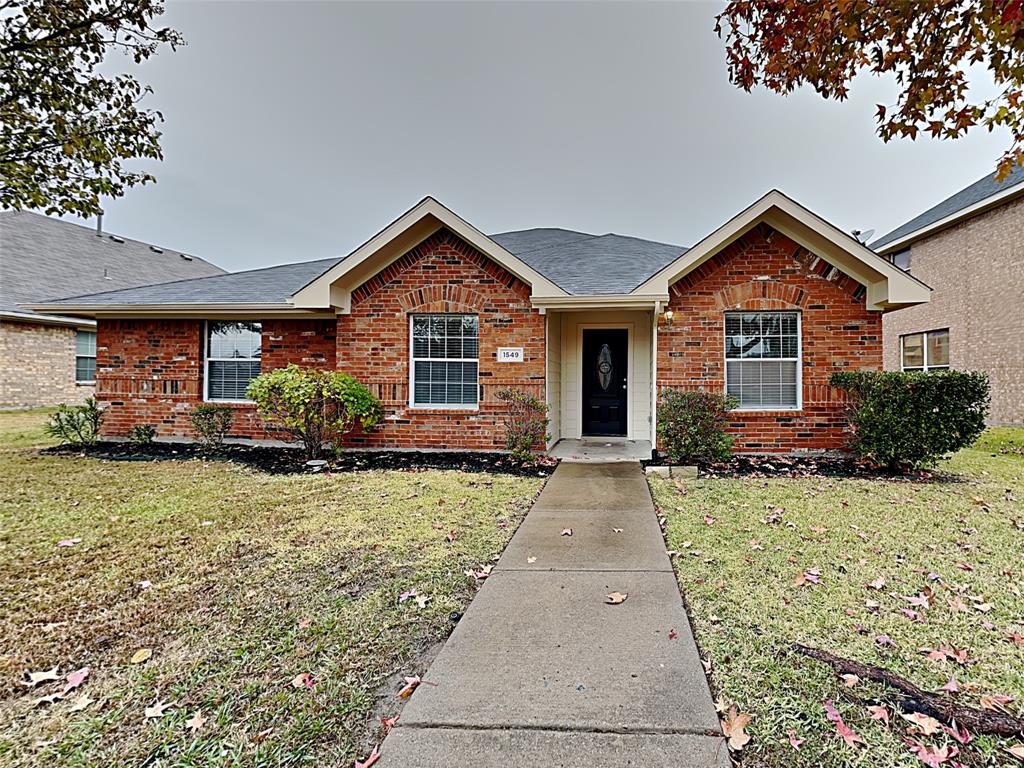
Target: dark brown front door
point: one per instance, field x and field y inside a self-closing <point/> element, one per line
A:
<point x="604" y="381"/>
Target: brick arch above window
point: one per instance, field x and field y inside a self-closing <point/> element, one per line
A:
<point x="443" y="298"/>
<point x="761" y="295"/>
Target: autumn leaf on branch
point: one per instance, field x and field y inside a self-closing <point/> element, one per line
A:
<point x="928" y="49"/>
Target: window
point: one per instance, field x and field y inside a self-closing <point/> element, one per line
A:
<point x="445" y="360"/>
<point x="928" y="351"/>
<point x="232" y="358"/>
<point x="762" y="359"/>
<point x="901" y="259"/>
<point x="85" y="357"/>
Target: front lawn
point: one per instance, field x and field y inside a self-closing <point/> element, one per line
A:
<point x="871" y="570"/>
<point x="268" y="605"/>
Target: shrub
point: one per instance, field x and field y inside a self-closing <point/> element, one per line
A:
<point x="142" y="434"/>
<point x="314" y="406"/>
<point x="526" y="422"/>
<point x="76" y="424"/>
<point x="211" y="423"/>
<point x="691" y="426"/>
<point x="913" y="419"/>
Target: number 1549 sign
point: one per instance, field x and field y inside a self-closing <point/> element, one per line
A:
<point x="510" y="354"/>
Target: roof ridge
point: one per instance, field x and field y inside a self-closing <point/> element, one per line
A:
<point x="332" y="259"/>
<point x="645" y="240"/>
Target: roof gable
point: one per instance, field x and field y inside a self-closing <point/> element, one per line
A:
<point x="887" y="285"/>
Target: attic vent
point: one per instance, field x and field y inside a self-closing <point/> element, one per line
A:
<point x="154" y="249"/>
<point x="186" y="257"/>
<point x="117" y="239"/>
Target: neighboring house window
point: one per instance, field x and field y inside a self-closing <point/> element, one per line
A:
<point x="232" y="358"/>
<point x="928" y="351"/>
<point x="85" y="357"/>
<point x="762" y="359"/>
<point x="902" y="259"/>
<point x="445" y="360"/>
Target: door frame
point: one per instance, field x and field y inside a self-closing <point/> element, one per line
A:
<point x="628" y="327"/>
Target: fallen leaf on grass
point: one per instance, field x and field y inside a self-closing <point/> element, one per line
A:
<point x="794" y="742"/>
<point x="959" y="733"/>
<point x="303" y="680"/>
<point x="406" y="595"/>
<point x="733" y="727"/>
<point x="849" y="736"/>
<point x="141" y="655"/>
<point x="75" y="679"/>
<point x="69" y="542"/>
<point x="411" y="684"/>
<point x="877" y="584"/>
<point x="305" y="622"/>
<point x="615" y="598"/>
<point x="35" y="678"/>
<point x="850" y="680"/>
<point x="885" y="641"/>
<point x="81" y="702"/>
<point x="48" y="699"/>
<point x="996" y="702"/>
<point x="1016" y="750"/>
<point x="156" y="710"/>
<point x="422" y="600"/>
<point x="922" y="723"/>
<point x="952" y="686"/>
<point x="195" y="722"/>
<point x="932" y="756"/>
<point x="879" y="712"/>
<point x="373" y="757"/>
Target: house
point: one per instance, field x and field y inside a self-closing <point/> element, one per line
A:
<point x="970" y="249"/>
<point x="48" y="358"/>
<point x="436" y="317"/>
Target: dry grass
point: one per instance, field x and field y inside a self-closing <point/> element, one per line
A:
<point x="737" y="573"/>
<point x="255" y="579"/>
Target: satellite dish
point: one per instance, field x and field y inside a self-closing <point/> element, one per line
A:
<point x="863" y="235"/>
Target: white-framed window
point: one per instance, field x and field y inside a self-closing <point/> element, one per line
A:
<point x="445" y="361"/>
<point x="762" y="360"/>
<point x="232" y="359"/>
<point x="927" y="351"/>
<point x="901" y="259"/>
<point x="85" y="357"/>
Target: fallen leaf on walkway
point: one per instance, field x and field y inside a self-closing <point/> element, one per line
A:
<point x="615" y="598"/>
<point x="388" y="723"/>
<point x="733" y="726"/>
<point x="531" y="559"/>
<point x="141" y="655"/>
<point x="75" y="679"/>
<point x="195" y="722"/>
<point x="370" y="760"/>
<point x="566" y="532"/>
<point x="616" y="530"/>
<point x="35" y="678"/>
<point x="156" y="710"/>
<point x="411" y="684"/>
<point x="672" y="634"/>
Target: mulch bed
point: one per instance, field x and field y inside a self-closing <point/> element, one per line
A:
<point x="835" y="466"/>
<point x="284" y="461"/>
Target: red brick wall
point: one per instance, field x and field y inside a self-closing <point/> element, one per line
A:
<point x="151" y="371"/>
<point x="838" y="333"/>
<point x="442" y="274"/>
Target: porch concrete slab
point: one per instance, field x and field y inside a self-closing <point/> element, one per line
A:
<point x="614" y="469"/>
<point x="595" y="492"/>
<point x="503" y="748"/>
<point x="601" y="449"/>
<point x="544" y="650"/>
<point x="602" y="540"/>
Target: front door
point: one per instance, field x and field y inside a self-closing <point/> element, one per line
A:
<point x="605" y="381"/>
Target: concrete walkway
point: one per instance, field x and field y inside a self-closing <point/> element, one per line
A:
<point x="541" y="671"/>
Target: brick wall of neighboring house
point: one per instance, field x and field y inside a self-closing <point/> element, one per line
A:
<point x="151" y="371"/>
<point x="442" y="274"/>
<point x="976" y="271"/>
<point x="37" y="366"/>
<point x="837" y="333"/>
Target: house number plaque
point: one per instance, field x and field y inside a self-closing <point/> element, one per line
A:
<point x="510" y="354"/>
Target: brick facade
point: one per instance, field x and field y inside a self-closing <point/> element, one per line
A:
<point x="976" y="271"/>
<point x="765" y="270"/>
<point x="150" y="371"/>
<point x="37" y="365"/>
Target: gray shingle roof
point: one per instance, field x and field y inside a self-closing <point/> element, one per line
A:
<point x="585" y="264"/>
<point x="42" y="257"/>
<point x="270" y="285"/>
<point x="980" y="190"/>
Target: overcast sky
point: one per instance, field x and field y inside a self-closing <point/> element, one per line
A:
<point x="295" y="130"/>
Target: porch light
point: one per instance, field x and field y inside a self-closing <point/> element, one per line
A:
<point x="667" y="314"/>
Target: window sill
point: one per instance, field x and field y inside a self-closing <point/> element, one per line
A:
<point x="766" y="410"/>
<point x="229" y="402"/>
<point x="85" y="383"/>
<point x="444" y="408"/>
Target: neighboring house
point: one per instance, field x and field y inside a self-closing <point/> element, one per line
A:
<point x="50" y="357"/>
<point x="970" y="250"/>
<point x="436" y="318"/>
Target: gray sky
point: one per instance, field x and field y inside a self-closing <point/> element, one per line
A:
<point x="295" y="131"/>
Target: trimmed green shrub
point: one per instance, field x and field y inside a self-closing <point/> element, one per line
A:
<point x="526" y="422"/>
<point x="910" y="420"/>
<point x="314" y="406"/>
<point x="76" y="424"/>
<point x="691" y="426"/>
<point x="211" y="423"/>
<point x="141" y="434"/>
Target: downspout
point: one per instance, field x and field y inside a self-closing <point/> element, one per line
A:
<point x="654" y="381"/>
